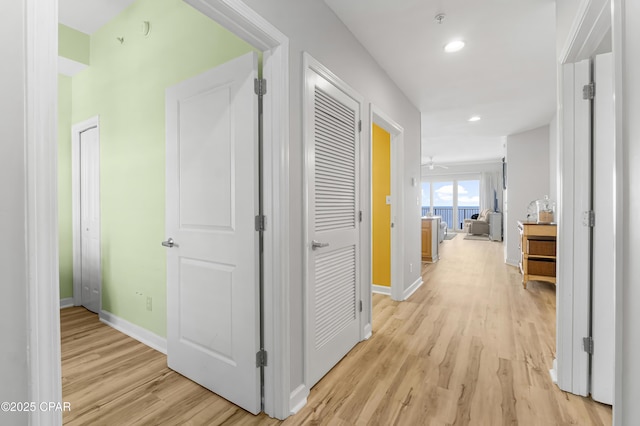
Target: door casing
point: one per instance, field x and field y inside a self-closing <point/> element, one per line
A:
<point x="377" y="116"/>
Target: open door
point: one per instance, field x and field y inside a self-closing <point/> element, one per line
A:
<point x="213" y="306"/>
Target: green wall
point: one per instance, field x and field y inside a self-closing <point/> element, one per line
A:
<point x="73" y="44"/>
<point x="125" y="85"/>
<point x="64" y="186"/>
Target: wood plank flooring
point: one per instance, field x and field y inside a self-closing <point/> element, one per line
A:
<point x="470" y="347"/>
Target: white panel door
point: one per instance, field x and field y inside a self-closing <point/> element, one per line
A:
<point x="603" y="302"/>
<point x="90" y="219"/>
<point x="212" y="193"/>
<point x="333" y="291"/>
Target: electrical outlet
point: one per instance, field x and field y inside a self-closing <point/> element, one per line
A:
<point x="411" y="267"/>
<point x="149" y="303"/>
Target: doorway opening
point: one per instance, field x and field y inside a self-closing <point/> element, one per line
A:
<point x="588" y="172"/>
<point x="387" y="209"/>
<point x="253" y="30"/>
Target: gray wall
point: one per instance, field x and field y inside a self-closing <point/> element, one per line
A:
<point x="13" y="257"/>
<point x="312" y="27"/>
<point x="527" y="180"/>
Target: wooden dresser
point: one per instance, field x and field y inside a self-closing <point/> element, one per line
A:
<point x="538" y="252"/>
<point x="430" y="229"/>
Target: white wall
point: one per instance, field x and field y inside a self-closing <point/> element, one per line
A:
<point x="527" y="180"/>
<point x="312" y="27"/>
<point x="13" y="258"/>
<point x="626" y="407"/>
<point x="553" y="159"/>
<point x="566" y="11"/>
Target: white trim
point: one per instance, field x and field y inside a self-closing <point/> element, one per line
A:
<point x="243" y="21"/>
<point x="377" y="116"/>
<point x="44" y="373"/>
<point x="66" y="303"/>
<point x="381" y="289"/>
<point x="76" y="131"/>
<point x="618" y="39"/>
<point x="553" y="372"/>
<point x="69" y="67"/>
<point x="141" y="334"/>
<point x="591" y="24"/>
<point x="368" y="331"/>
<point x="298" y="399"/>
<point x="513" y="262"/>
<point x="412" y="289"/>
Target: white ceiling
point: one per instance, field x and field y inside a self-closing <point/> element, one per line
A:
<point x="89" y="15"/>
<point x="506" y="73"/>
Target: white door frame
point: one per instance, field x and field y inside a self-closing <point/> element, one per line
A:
<point x="45" y="383"/>
<point x="76" y="203"/>
<point x="593" y="20"/>
<point x="378" y="117"/>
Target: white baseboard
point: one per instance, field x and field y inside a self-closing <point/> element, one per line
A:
<point x="416" y="285"/>
<point x="135" y="331"/>
<point x="381" y="289"/>
<point x="368" y="331"/>
<point x="554" y="372"/>
<point x="298" y="398"/>
<point x="66" y="303"/>
<point x="512" y="262"/>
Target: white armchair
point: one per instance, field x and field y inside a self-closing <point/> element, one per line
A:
<point x="480" y="225"/>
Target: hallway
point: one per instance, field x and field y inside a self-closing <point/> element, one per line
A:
<point x="469" y="347"/>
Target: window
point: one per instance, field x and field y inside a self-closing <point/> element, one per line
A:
<point x="426" y="198"/>
<point x="453" y="199"/>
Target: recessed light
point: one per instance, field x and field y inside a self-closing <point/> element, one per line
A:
<point x="454" y="46"/>
<point x="475" y="118"/>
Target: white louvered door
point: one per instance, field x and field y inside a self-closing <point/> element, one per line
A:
<point x="333" y="293"/>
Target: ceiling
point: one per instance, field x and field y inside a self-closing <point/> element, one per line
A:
<point x="506" y="73"/>
<point x="89" y="15"/>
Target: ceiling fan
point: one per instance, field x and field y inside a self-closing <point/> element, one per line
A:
<point x="431" y="165"/>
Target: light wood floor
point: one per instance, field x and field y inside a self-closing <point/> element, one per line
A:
<point x="471" y="346"/>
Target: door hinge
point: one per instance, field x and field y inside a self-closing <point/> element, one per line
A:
<point x="587" y="344"/>
<point x="589" y="91"/>
<point x="261" y="223"/>
<point x="261" y="358"/>
<point x="260" y="86"/>
<point x="589" y="218"/>
<point x="360" y="216"/>
<point x="361" y="306"/>
<point x="359" y="125"/>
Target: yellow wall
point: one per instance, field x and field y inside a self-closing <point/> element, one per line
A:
<point x="381" y="187"/>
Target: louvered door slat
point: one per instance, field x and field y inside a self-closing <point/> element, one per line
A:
<point x="335" y="293"/>
<point x="335" y="165"/>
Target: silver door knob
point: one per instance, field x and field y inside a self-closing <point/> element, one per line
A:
<point x="169" y="243"/>
<point x="316" y="244"/>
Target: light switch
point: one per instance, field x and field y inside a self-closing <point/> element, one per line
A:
<point x="388" y="199"/>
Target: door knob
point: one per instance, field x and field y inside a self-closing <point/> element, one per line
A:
<point x="316" y="244"/>
<point x="169" y="243"/>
